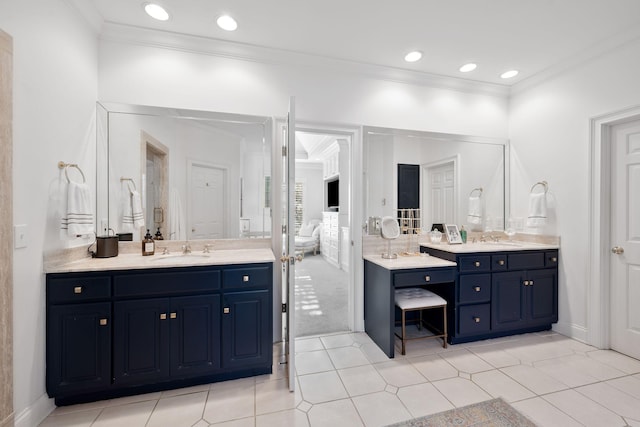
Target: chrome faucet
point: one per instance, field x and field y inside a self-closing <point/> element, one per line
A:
<point x="207" y="248"/>
<point x="186" y="249"/>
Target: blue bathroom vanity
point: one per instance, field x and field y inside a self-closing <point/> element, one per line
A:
<point x="133" y="326"/>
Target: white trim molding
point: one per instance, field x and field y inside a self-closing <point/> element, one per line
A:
<point x="598" y="293"/>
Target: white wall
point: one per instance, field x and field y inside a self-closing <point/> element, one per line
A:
<point x="310" y="175"/>
<point x="549" y="132"/>
<point x="55" y="89"/>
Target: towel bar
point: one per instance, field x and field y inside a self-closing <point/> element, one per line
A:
<point x="543" y="183"/>
<point x="131" y="181"/>
<point x="65" y="166"/>
<point x="476" y="189"/>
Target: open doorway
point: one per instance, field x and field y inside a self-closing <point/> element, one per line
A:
<point x="322" y="219"/>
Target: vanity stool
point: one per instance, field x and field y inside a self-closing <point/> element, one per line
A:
<point x="418" y="299"/>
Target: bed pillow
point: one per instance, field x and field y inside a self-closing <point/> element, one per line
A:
<point x="306" y="230"/>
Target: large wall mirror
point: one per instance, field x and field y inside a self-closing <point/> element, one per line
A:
<point x="190" y="174"/>
<point x="450" y="177"/>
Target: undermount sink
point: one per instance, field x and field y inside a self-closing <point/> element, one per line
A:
<point x="176" y="257"/>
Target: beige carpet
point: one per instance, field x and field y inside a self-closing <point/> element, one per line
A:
<point x="492" y="413"/>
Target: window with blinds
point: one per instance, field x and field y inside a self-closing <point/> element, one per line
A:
<point x="299" y="205"/>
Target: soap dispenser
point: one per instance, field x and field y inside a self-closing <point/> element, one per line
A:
<point x="148" y="245"/>
<point x="463" y="234"/>
<point x="159" y="235"/>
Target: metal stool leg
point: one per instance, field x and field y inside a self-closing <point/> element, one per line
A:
<point x="404" y="332"/>
<point x="444" y="309"/>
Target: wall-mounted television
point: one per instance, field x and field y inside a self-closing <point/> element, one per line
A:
<point x="332" y="189"/>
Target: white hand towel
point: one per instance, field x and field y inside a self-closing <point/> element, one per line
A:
<point x="78" y="220"/>
<point x="132" y="216"/>
<point x="537" y="210"/>
<point x="474" y="215"/>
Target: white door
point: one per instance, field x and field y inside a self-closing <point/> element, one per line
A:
<point x="207" y="203"/>
<point x="625" y="238"/>
<point x="439" y="200"/>
<point x="288" y="240"/>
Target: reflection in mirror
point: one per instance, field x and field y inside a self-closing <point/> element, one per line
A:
<point x="450" y="168"/>
<point x="185" y="174"/>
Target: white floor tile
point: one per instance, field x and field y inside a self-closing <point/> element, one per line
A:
<point x="423" y="399"/>
<point x="465" y="361"/>
<point x="495" y="355"/>
<point x="544" y="414"/>
<point x="312" y="362"/>
<point x="290" y="418"/>
<point x="536" y="348"/>
<point x="626" y="364"/>
<point x="230" y="400"/>
<point x="185" y="390"/>
<point x="630" y="385"/>
<point x="131" y="415"/>
<point x="461" y="392"/>
<point x="399" y="373"/>
<point x="433" y="367"/>
<point x="583" y="409"/>
<point x="613" y="398"/>
<point x="332" y="414"/>
<point x="308" y="344"/>
<point x="362" y="380"/>
<point x="339" y="340"/>
<point x="135" y="398"/>
<point x="380" y="409"/>
<point x="273" y="396"/>
<point x="534" y="379"/>
<point x="178" y="411"/>
<point x="322" y="387"/>
<point x="72" y="419"/>
<point x="373" y="353"/>
<point x="347" y="357"/>
<point x="498" y="384"/>
<point x="569" y="370"/>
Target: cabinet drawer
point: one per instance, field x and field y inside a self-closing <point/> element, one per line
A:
<point x="499" y="262"/>
<point x="165" y="283"/>
<point x="248" y="277"/>
<point x="478" y="263"/>
<point x="551" y="259"/>
<point x="474" y="319"/>
<point x="475" y="288"/>
<point x="78" y="288"/>
<point x="526" y="261"/>
<point x="424" y="277"/>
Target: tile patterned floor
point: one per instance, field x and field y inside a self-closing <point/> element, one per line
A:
<point x="346" y="380"/>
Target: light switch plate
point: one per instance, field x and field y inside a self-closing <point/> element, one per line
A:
<point x="20" y="236"/>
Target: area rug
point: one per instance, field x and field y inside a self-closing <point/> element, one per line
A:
<point x="492" y="413"/>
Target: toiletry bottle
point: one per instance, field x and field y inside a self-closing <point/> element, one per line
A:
<point x="148" y="245"/>
<point x="463" y="234"/>
<point x="159" y="235"/>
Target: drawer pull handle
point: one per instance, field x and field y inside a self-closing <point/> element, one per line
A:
<point x="530" y="282"/>
<point x="526" y="283"/>
<point x="77" y="290"/>
<point x="476" y="319"/>
<point x="501" y="262"/>
<point x="477" y="288"/>
<point x="103" y="322"/>
<point x="427" y="278"/>
<point x="173" y="315"/>
<point x="554" y="259"/>
<point x="477" y="263"/>
<point x="245" y="278"/>
<point x="163" y="316"/>
<point x="226" y="310"/>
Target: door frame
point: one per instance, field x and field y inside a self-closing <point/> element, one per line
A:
<point x="424" y="171"/>
<point x="226" y="220"/>
<point x="599" y="292"/>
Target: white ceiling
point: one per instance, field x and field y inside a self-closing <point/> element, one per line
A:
<point x="529" y="35"/>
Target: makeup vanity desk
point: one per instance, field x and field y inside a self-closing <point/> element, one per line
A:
<point x="383" y="276"/>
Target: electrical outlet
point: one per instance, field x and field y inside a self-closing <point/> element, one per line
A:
<point x="20" y="236"/>
<point x="104" y="225"/>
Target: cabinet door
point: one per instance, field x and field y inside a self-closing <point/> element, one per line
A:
<point x="246" y="329"/>
<point x="542" y="301"/>
<point x="141" y="341"/>
<point x="78" y="348"/>
<point x="195" y="335"/>
<point x="507" y="300"/>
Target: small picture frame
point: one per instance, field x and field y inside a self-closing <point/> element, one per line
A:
<point x="453" y="235"/>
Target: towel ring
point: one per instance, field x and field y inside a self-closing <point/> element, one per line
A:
<point x="66" y="166"/>
<point x="479" y="189"/>
<point x="543" y="183"/>
<point x="131" y="182"/>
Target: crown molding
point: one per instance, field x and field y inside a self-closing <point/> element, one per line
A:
<point x="119" y="33"/>
<point x="628" y="36"/>
<point x="88" y="11"/>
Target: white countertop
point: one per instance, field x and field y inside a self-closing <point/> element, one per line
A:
<point x="137" y="261"/>
<point x="407" y="262"/>
<point x="502" y="246"/>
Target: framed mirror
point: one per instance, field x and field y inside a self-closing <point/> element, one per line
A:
<point x="196" y="174"/>
<point x="426" y="178"/>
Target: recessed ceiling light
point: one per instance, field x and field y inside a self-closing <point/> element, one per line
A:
<point x="413" y="56"/>
<point x="509" y="74"/>
<point x="468" y="67"/>
<point x="227" y="23"/>
<point x="156" y="11"/>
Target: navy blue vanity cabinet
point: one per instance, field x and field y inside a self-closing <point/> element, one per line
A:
<point x="78" y="350"/>
<point x="502" y="293"/>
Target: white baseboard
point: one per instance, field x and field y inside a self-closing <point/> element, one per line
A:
<point x="35" y="413"/>
<point x="572" y="330"/>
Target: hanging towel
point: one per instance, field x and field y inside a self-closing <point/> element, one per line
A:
<point x="474" y="215"/>
<point x="177" y="228"/>
<point x="537" y="210"/>
<point x="78" y="218"/>
<point x="132" y="216"/>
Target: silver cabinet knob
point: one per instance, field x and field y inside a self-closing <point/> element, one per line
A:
<point x="617" y="250"/>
